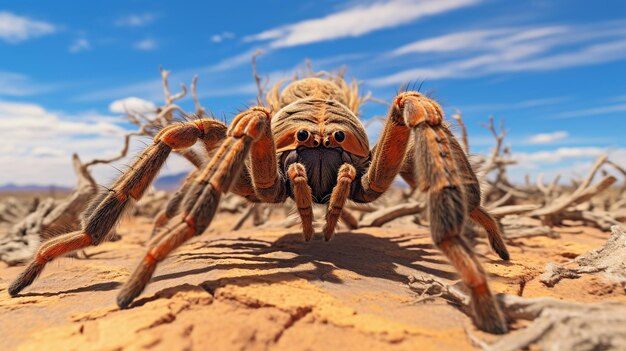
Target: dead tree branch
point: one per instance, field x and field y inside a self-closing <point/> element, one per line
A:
<point x="459" y="120"/>
<point x="260" y="83"/>
<point x="49" y="219"/>
<point x="610" y="259"/>
<point x="200" y="111"/>
<point x="555" y="324"/>
<point x="384" y="215"/>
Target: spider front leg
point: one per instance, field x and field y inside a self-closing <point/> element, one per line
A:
<point x="302" y="196"/>
<point x="444" y="172"/>
<point x="249" y="134"/>
<point x="106" y="209"/>
<point x="440" y="167"/>
<point x="338" y="199"/>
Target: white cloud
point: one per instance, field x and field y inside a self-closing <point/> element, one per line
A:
<point x="569" y="162"/>
<point x="80" y="44"/>
<point x="132" y="104"/>
<point x="356" y="21"/>
<point x="25" y="118"/>
<point x="136" y="20"/>
<point x="547" y="138"/>
<point x="497" y="50"/>
<point x="560" y="154"/>
<point x="14" y="28"/>
<point x="146" y="45"/>
<point x="37" y="145"/>
<point x="218" y="38"/>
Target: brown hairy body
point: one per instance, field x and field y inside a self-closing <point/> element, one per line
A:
<point x="310" y="146"/>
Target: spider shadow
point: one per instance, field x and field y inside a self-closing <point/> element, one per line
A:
<point x="107" y="286"/>
<point x="361" y="253"/>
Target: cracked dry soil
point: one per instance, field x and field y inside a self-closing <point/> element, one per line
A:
<point x="268" y="290"/>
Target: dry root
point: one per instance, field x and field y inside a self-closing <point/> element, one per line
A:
<point x="609" y="260"/>
<point x="48" y="219"/>
<point x="556" y="324"/>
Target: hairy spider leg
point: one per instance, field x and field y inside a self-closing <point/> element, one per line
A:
<point x="247" y="129"/>
<point x="485" y="220"/>
<point x="105" y="210"/>
<point x="338" y="199"/>
<point x="444" y="173"/>
<point x="303" y="197"/>
<point x="387" y="159"/>
<point x="439" y="173"/>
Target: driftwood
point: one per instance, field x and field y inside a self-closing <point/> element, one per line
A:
<point x="260" y="214"/>
<point x="13" y="210"/>
<point x="384" y="215"/>
<point x="555" y="324"/>
<point x="151" y="203"/>
<point x="164" y="116"/>
<point x="551" y="213"/>
<point x="512" y="210"/>
<point x="609" y="260"/>
<point x="49" y="219"/>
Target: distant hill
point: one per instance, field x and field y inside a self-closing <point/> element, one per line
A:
<point x="32" y="188"/>
<point x="170" y="182"/>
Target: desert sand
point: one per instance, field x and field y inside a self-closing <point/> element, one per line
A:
<point x="268" y="289"/>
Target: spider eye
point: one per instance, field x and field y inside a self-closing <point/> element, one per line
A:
<point x="302" y="135"/>
<point x="340" y="136"/>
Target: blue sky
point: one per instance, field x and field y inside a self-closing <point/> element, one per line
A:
<point x="554" y="70"/>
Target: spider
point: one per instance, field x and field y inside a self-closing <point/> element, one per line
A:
<point x="311" y="146"/>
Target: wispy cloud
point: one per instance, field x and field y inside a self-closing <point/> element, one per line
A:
<point x="135" y="20"/>
<point x="547" y="138"/>
<point x="479" y="40"/>
<point x="356" y="21"/>
<point x="516" y="105"/>
<point x="152" y="89"/>
<point x="16" y="84"/>
<point x="595" y="111"/>
<point x="218" y="38"/>
<point x="499" y="50"/>
<point x="14" y="28"/>
<point x="146" y="45"/>
<point x="79" y="45"/>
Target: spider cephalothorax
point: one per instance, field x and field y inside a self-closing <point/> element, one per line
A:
<point x="310" y="146"/>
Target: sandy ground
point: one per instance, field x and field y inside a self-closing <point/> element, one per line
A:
<point x="259" y="290"/>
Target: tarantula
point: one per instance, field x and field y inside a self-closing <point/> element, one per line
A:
<point x="310" y="146"/>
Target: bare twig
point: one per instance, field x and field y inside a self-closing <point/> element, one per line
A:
<point x="555" y="324"/>
<point x="169" y="98"/>
<point x="495" y="153"/>
<point x="384" y="215"/>
<point x="610" y="259"/>
<point x="459" y="120"/>
<point x="257" y="78"/>
<point x="200" y="112"/>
